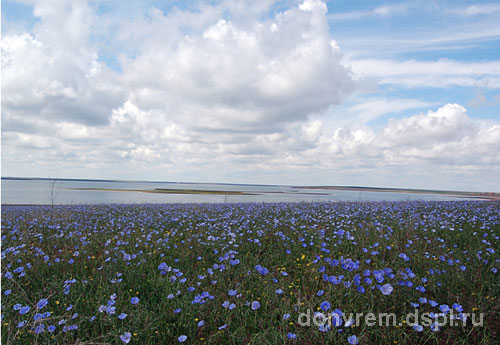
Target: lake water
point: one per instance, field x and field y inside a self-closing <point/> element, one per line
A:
<point x="36" y="191"/>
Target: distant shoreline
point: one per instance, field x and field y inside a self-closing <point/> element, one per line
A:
<point x="480" y="195"/>
<point x="326" y="187"/>
<point x="297" y="189"/>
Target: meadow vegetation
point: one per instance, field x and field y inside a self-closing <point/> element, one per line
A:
<point x="243" y="273"/>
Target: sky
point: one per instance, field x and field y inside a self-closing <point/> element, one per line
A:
<point x="366" y="93"/>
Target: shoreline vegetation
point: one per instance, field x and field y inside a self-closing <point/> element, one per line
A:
<point x="166" y="191"/>
<point x="295" y="190"/>
<point x="189" y="191"/>
<point x="481" y="195"/>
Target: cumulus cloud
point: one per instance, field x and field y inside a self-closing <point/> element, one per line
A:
<point x="234" y="77"/>
<point x="225" y="75"/>
<point x="54" y="74"/>
<point x="448" y="124"/>
<point x="447" y="136"/>
<point x="191" y="85"/>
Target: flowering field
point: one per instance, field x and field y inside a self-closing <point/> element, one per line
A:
<point x="244" y="273"/>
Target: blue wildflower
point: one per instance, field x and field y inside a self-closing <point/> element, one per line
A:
<point x="386" y="289"/>
<point x="125" y="337"/>
<point x="444" y="308"/>
<point x="325" y="305"/>
<point x="353" y="340"/>
<point x="40" y="328"/>
<point x="457" y="307"/>
<point x="418" y="328"/>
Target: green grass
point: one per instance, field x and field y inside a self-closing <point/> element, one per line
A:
<point x="167" y="191"/>
<point x="430" y="233"/>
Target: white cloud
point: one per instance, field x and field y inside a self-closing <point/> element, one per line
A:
<point x="445" y="137"/>
<point x="370" y="109"/>
<point x="54" y="73"/>
<point x="196" y="85"/>
<point x="385" y="44"/>
<point x="436" y="149"/>
<point x="449" y="123"/>
<point x="233" y="77"/>
<point x="384" y="11"/>
<point x="478" y="9"/>
<point x="278" y="70"/>
<point x="438" y="73"/>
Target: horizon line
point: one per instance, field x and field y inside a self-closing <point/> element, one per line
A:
<point x="322" y="186"/>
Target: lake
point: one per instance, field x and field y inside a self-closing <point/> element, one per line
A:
<point x="36" y="191"/>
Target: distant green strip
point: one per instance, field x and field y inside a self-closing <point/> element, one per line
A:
<point x="167" y="191"/>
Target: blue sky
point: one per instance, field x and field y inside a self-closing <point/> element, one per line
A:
<point x="397" y="94"/>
